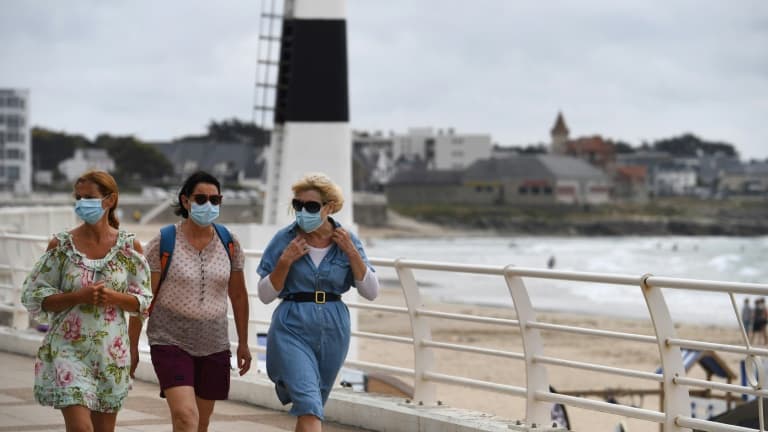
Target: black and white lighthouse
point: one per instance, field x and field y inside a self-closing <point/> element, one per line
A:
<point x="311" y="108"/>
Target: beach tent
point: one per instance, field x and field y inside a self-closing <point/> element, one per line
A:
<point x="710" y="361"/>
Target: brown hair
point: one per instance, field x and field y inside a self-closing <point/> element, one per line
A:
<point x="330" y="191"/>
<point x="107" y="186"/>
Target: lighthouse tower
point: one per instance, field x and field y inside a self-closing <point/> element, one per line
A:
<point x="311" y="113"/>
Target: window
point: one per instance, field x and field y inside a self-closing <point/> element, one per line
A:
<point x="15" y="121"/>
<point x="535" y="190"/>
<point x="13" y="173"/>
<point x="2" y="119"/>
<point x="478" y="188"/>
<point x="457" y="153"/>
<point x="13" y="154"/>
<point x="547" y="190"/>
<point x="14" y="137"/>
<point x="2" y="170"/>
<point x="522" y="190"/>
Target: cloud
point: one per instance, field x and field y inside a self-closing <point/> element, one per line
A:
<point x="634" y="70"/>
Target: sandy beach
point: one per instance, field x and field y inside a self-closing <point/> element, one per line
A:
<point x="609" y="352"/>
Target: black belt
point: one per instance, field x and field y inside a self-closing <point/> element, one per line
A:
<point x="318" y="297"/>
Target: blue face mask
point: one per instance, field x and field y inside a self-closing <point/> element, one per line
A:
<point x="89" y="209"/>
<point x="205" y="214"/>
<point x="308" y="221"/>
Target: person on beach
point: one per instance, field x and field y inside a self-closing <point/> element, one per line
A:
<point x="758" y="322"/>
<point x="308" y="265"/>
<point x="188" y="326"/>
<point x="81" y="286"/>
<point x="746" y="317"/>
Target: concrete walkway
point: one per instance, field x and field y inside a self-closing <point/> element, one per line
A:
<point x="144" y="411"/>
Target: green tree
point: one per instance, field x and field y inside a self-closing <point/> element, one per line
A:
<point x="51" y="147"/>
<point x="689" y="145"/>
<point x="134" y="160"/>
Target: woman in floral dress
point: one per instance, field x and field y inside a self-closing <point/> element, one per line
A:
<point x="81" y="286"/>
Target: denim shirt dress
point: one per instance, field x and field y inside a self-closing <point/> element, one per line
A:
<point x="308" y="342"/>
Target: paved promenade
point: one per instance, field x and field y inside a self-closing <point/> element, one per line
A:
<point x="144" y="411"/>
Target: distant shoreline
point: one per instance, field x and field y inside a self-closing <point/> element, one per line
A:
<point x="658" y="218"/>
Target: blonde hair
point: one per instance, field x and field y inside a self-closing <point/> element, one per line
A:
<point x="107" y="186"/>
<point x="321" y="183"/>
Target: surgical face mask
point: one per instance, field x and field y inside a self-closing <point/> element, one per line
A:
<point x="205" y="214"/>
<point x="89" y="209"/>
<point x="309" y="221"/>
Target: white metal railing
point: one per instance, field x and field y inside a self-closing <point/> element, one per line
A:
<point x="675" y="384"/>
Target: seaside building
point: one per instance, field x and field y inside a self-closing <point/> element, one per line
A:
<point x="443" y="149"/>
<point x="86" y="159"/>
<point x="525" y="180"/>
<point x="559" y="134"/>
<point x="231" y="161"/>
<point x="15" y="142"/>
<point x="593" y="149"/>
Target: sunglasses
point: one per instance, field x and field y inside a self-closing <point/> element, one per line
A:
<point x="201" y="199"/>
<point x="311" y="206"/>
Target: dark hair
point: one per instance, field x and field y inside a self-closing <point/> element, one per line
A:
<point x="107" y="186"/>
<point x="189" y="186"/>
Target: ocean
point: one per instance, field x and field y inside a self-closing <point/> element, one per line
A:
<point x="731" y="259"/>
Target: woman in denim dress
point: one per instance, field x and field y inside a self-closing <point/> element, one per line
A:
<point x="308" y="265"/>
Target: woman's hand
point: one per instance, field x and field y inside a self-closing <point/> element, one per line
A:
<point x="296" y="249"/>
<point x="92" y="294"/>
<point x="343" y="240"/>
<point x="243" y="358"/>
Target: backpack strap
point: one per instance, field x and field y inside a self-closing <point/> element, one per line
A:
<point x="226" y="239"/>
<point x="167" y="243"/>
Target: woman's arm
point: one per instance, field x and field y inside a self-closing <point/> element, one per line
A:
<point x="238" y="296"/>
<point x="135" y="325"/>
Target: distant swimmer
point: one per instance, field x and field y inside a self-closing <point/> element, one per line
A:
<point x="551" y="262"/>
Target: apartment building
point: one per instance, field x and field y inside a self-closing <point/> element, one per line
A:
<point x="15" y="142"/>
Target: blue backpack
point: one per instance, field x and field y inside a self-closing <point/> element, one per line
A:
<point x="168" y="242"/>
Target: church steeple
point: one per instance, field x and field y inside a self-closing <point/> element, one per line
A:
<point x="559" y="134"/>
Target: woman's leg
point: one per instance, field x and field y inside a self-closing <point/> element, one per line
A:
<point x="77" y="418"/>
<point x="308" y="423"/>
<point x="103" y="422"/>
<point x="204" y="409"/>
<point x="184" y="414"/>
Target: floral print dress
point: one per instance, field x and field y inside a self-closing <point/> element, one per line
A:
<point x="85" y="356"/>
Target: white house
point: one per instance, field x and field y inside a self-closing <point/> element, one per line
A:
<point x="84" y="160"/>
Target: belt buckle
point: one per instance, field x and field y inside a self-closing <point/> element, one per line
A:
<point x="320" y="297"/>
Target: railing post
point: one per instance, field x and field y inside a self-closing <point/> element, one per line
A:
<point x="18" y="266"/>
<point x="536" y="374"/>
<point x="424" y="392"/>
<point x="677" y="401"/>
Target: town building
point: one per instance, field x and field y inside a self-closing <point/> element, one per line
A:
<point x="593" y="149"/>
<point x="518" y="180"/>
<point x="443" y="149"/>
<point x="15" y="142"/>
<point x="232" y="161"/>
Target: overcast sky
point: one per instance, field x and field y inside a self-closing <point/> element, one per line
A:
<point x="630" y="70"/>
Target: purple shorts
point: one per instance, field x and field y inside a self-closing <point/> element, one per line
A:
<point x="209" y="375"/>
